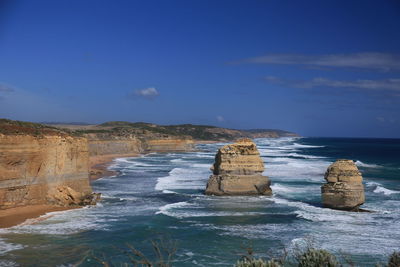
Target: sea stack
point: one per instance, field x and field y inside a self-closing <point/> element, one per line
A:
<point x="344" y="189"/>
<point x="237" y="170"/>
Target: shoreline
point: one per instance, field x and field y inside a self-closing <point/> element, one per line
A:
<point x="98" y="168"/>
<point x="18" y="215"/>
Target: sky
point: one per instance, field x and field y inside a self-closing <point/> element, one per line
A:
<point x="317" y="68"/>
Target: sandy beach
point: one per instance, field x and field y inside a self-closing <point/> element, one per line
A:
<point x="14" y="216"/>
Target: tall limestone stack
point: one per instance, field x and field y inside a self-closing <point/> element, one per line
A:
<point x="238" y="170"/>
<point x="344" y="189"/>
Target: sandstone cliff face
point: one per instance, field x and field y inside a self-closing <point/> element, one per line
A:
<point x="238" y="171"/>
<point x="166" y="145"/>
<point x="344" y="189"/>
<point x="110" y="147"/>
<point x="33" y="167"/>
<point x="136" y="146"/>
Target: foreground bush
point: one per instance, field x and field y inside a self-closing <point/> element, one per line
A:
<point x="256" y="263"/>
<point x="394" y="259"/>
<point x="317" y="258"/>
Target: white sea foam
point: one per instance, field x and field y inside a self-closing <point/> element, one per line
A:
<point x="166" y="210"/>
<point x="305" y="146"/>
<point x="281" y="188"/>
<point x="6" y="247"/>
<point x="317" y="214"/>
<point x="190" y="213"/>
<point x="365" y="165"/>
<point x="191" y="177"/>
<point x="177" y="160"/>
<point x="380" y="189"/>
<point x="305" y="156"/>
<point x="291" y="169"/>
<point x="8" y="263"/>
<point x="60" y="223"/>
<point x="168" y="192"/>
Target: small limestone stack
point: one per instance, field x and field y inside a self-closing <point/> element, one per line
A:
<point x="65" y="196"/>
<point x="344" y="189"/>
<point x="238" y="170"/>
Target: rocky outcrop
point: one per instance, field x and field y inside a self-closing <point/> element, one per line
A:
<point x="238" y="170"/>
<point x="33" y="164"/>
<point x="344" y="189"/>
<point x="67" y="197"/>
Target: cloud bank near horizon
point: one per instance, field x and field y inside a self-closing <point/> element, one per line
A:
<point x="392" y="85"/>
<point x="366" y="60"/>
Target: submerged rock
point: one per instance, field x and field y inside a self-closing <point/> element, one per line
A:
<point x="67" y="197"/>
<point x="238" y="170"/>
<point x="344" y="189"/>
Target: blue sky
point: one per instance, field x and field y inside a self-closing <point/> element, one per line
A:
<point x="318" y="68"/>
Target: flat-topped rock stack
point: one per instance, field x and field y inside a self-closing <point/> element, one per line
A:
<point x="237" y="170"/>
<point x="344" y="189"/>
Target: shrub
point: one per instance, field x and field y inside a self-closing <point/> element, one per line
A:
<point x="317" y="258"/>
<point x="256" y="263"/>
<point x="394" y="259"/>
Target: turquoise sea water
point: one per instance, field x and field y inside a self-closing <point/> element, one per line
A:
<point x="162" y="195"/>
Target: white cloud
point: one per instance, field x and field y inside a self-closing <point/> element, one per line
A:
<point x="149" y="92"/>
<point x="368" y="60"/>
<point x="220" y="118"/>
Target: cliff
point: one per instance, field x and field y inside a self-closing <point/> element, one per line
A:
<point x="149" y="131"/>
<point x="237" y="170"/>
<point x="165" y="145"/>
<point x="344" y="189"/>
<point x="36" y="161"/>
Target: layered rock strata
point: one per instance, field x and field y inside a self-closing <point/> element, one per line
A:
<point x="133" y="145"/>
<point x="32" y="167"/>
<point x="238" y="170"/>
<point x="344" y="189"/>
<point x="167" y="145"/>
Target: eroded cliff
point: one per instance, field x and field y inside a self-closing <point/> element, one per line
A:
<point x="35" y="162"/>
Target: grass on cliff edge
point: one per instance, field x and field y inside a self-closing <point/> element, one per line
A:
<point x="11" y="127"/>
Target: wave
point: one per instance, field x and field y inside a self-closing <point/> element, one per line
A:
<point x="191" y="177"/>
<point x="305" y="146"/>
<point x="295" y="169"/>
<point x="380" y="189"/>
<point x="60" y="223"/>
<point x="181" y="210"/>
<point x="178" y="160"/>
<point x="317" y="214"/>
<point x="6" y="247"/>
<point x="279" y="188"/>
<point x="165" y="209"/>
<point x="365" y="165"/>
<point x="305" y="156"/>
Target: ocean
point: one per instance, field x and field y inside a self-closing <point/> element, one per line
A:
<point x="160" y="196"/>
